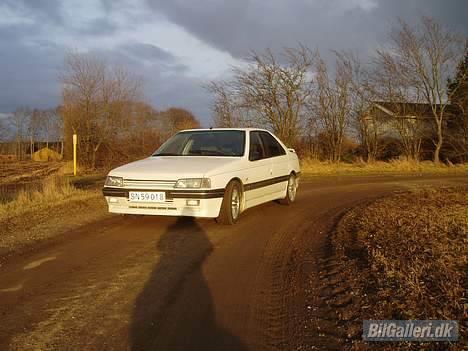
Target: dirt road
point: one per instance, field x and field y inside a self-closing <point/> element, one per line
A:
<point x="144" y="283"/>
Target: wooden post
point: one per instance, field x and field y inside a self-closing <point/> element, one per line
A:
<point x="74" y="153"/>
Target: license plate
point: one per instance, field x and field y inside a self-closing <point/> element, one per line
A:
<point x="147" y="196"/>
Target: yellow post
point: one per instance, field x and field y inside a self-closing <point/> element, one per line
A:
<point x="74" y="153"/>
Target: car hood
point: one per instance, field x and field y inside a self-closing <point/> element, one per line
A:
<point x="174" y="167"/>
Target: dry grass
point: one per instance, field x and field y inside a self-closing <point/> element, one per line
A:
<point x="41" y="213"/>
<point x="409" y="254"/>
<point x="53" y="190"/>
<point x="311" y="167"/>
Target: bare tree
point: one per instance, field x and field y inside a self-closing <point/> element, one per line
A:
<point x="426" y="56"/>
<point x="82" y="80"/>
<point x="176" y="119"/>
<point x="410" y="123"/>
<point x="118" y="92"/>
<point x="399" y="106"/>
<point x="268" y="90"/>
<point x="227" y="111"/>
<point x="19" y="121"/>
<point x="367" y="128"/>
<point x="145" y="131"/>
<point x="229" y="108"/>
<point x="51" y="125"/>
<point x="458" y="126"/>
<point x="3" y="129"/>
<point x="34" y="128"/>
<point x="96" y="102"/>
<point x="331" y="103"/>
<point x="277" y="91"/>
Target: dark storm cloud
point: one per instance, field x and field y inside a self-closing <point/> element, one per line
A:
<point x="28" y="72"/>
<point x="149" y="52"/>
<point x="239" y="26"/>
<point x="30" y="63"/>
<point x="450" y="12"/>
<point x="158" y="58"/>
<point x="31" y="55"/>
<point x="165" y="83"/>
<point x="31" y="73"/>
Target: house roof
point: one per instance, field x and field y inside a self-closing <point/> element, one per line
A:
<point x="410" y="109"/>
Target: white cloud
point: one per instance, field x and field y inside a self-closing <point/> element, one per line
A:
<point x="10" y="17"/>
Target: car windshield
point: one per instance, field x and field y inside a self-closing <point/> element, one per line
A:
<point x="204" y="143"/>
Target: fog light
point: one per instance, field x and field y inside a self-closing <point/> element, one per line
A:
<point x="113" y="200"/>
<point x="193" y="202"/>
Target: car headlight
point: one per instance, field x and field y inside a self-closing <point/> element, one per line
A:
<point x="114" y="181"/>
<point x="193" y="183"/>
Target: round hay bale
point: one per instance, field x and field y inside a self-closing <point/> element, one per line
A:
<point x="45" y="154"/>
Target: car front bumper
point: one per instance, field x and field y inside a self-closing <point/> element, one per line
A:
<point x="178" y="202"/>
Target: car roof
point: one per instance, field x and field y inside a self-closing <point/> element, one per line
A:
<point x="208" y="129"/>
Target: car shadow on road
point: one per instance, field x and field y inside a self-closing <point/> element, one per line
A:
<point x="175" y="309"/>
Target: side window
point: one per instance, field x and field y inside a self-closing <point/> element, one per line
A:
<point x="273" y="148"/>
<point x="256" y="150"/>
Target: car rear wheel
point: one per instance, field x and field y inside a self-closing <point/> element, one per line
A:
<point x="291" y="190"/>
<point x="231" y="205"/>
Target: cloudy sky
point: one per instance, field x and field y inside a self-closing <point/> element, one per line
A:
<point x="178" y="45"/>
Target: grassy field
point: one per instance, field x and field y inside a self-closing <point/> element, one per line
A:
<point x="40" y="201"/>
<point x="406" y="255"/>
<point x="312" y="168"/>
<point x="57" y="208"/>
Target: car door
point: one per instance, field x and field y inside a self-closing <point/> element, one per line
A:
<point x="259" y="172"/>
<point x="279" y="163"/>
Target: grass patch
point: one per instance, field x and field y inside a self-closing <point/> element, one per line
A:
<point x="311" y="167"/>
<point x="51" y="191"/>
<point x="407" y="255"/>
<point x="45" y="211"/>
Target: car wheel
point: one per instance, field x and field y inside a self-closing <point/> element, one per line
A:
<point x="291" y="191"/>
<point x="231" y="205"/>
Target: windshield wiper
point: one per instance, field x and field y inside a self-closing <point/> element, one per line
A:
<point x="166" y="154"/>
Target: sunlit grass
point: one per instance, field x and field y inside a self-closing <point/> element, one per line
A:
<point x="52" y="191"/>
<point x="414" y="247"/>
<point x="312" y="167"/>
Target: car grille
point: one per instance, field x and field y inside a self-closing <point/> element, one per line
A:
<point x="149" y="184"/>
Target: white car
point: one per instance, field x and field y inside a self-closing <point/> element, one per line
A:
<point x="214" y="173"/>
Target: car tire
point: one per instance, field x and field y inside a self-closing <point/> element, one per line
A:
<point x="291" y="190"/>
<point x="231" y="201"/>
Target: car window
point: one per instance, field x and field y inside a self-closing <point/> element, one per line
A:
<point x="273" y="148"/>
<point x="256" y="149"/>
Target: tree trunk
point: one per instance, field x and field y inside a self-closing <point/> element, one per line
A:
<point x="438" y="145"/>
<point x="31" y="147"/>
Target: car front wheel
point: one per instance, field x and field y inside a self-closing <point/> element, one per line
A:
<point x="291" y="190"/>
<point x="231" y="205"/>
